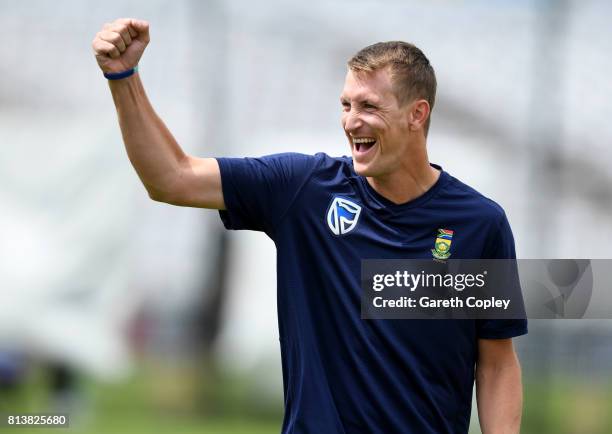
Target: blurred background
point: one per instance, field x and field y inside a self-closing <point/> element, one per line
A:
<point x="138" y="317"/>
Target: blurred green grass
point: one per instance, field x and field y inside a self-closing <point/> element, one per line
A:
<point x="567" y="405"/>
<point x="152" y="403"/>
<point x="145" y="403"/>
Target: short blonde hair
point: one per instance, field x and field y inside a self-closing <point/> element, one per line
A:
<point x="411" y="73"/>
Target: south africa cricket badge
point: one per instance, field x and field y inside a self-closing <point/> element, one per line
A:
<point x="442" y="245"/>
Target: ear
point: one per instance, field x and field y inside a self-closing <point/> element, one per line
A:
<point x="419" y="114"/>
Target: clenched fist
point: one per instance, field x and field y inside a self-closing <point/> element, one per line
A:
<point x="120" y="44"/>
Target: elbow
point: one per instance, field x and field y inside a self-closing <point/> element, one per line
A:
<point x="171" y="197"/>
<point x="158" y="195"/>
<point x="155" y="196"/>
<point x="167" y="189"/>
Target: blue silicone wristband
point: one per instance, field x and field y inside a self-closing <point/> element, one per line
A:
<point x="120" y="75"/>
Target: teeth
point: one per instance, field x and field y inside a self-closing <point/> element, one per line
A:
<point x="363" y="140"/>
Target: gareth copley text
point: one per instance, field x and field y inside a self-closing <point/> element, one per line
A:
<point x="455" y="302"/>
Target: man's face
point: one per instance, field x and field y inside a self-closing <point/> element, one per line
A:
<point x="378" y="129"/>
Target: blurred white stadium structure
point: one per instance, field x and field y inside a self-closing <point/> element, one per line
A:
<point x="522" y="115"/>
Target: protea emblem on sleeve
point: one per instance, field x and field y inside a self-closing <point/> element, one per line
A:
<point x="442" y="245"/>
<point x="342" y="216"/>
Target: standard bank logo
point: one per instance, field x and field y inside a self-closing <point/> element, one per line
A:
<point x="342" y="216"/>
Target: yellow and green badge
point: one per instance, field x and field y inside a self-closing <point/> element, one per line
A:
<point x="442" y="246"/>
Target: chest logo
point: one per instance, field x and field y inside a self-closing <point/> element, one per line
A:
<point x="342" y="216"/>
<point x="442" y="245"/>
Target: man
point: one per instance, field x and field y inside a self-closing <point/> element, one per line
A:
<point x="343" y="374"/>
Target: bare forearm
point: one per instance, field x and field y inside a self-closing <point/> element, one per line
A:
<point x="499" y="394"/>
<point x="152" y="149"/>
<point x="168" y="174"/>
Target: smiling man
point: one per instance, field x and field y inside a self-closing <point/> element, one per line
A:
<point x="388" y="95"/>
<point x="343" y="374"/>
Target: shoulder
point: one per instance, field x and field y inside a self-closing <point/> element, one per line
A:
<point x="283" y="166"/>
<point x="319" y="160"/>
<point x="473" y="202"/>
<point x="270" y="165"/>
<point x="326" y="160"/>
<point x="485" y="218"/>
<point x="324" y="165"/>
<point x="319" y="165"/>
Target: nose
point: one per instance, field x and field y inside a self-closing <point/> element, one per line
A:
<point x="352" y="121"/>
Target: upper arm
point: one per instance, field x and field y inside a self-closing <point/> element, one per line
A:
<point x="197" y="183"/>
<point x="500" y="245"/>
<point x="259" y="192"/>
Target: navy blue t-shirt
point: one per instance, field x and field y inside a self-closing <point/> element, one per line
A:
<point x="343" y="374"/>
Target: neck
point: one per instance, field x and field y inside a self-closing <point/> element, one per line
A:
<point x="411" y="180"/>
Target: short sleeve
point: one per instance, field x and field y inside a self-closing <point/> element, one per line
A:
<point x="501" y="246"/>
<point x="259" y="191"/>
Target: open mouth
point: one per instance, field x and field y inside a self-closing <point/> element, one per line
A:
<point x="363" y="144"/>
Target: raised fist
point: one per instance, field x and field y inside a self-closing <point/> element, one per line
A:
<point x="120" y="44"/>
